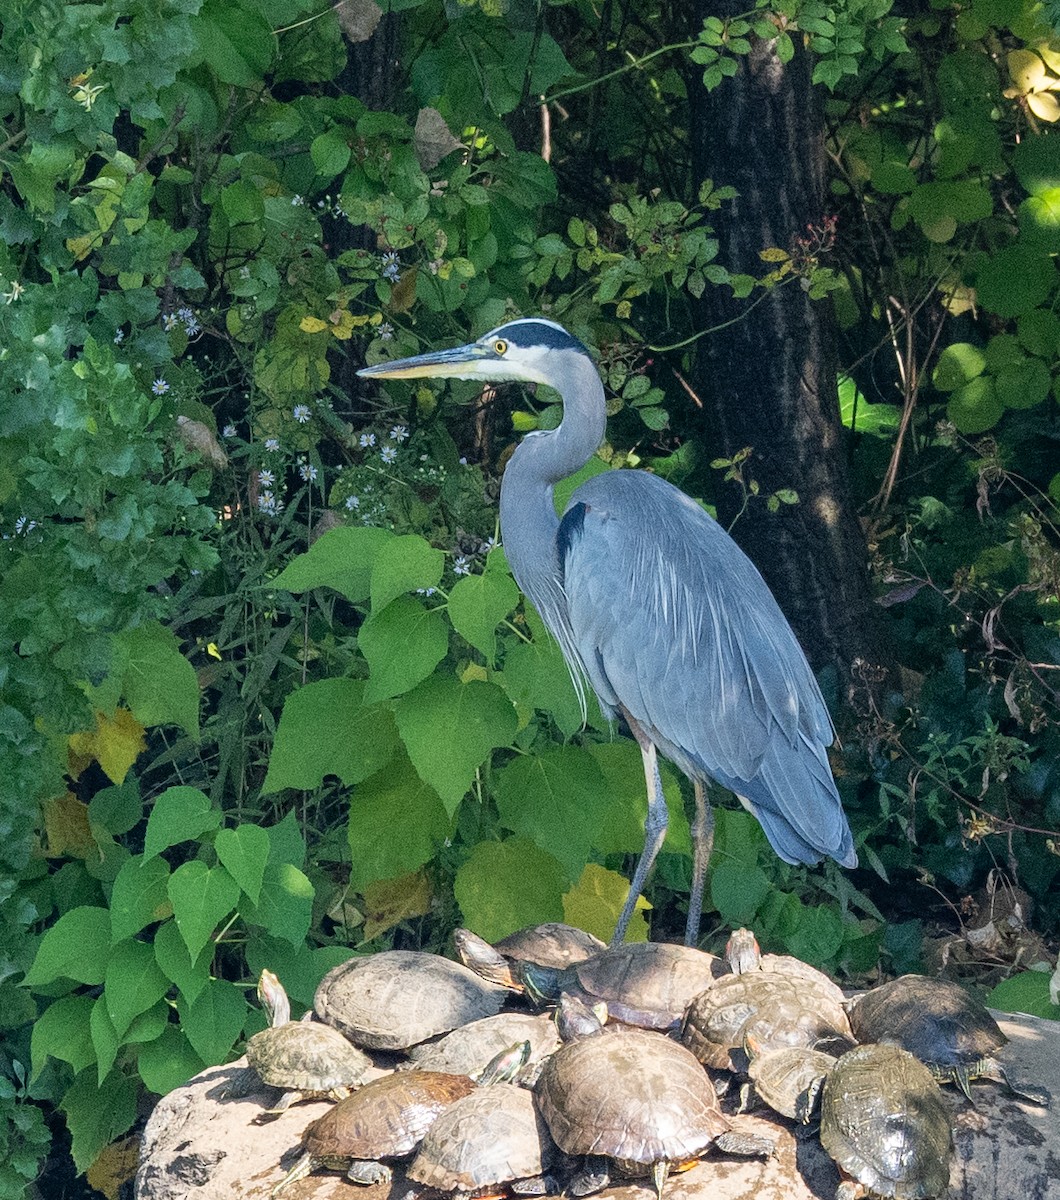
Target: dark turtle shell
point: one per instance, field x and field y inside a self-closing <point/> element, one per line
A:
<point x="885" y="1122"/>
<point x="789" y="1080"/>
<point x="940" y="1022"/>
<point x="551" y="944"/>
<point x="492" y="1137"/>
<point x="395" y="999"/>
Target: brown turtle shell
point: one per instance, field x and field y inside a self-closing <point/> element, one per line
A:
<point x="387" y="1118"/>
<point x="885" y="1122"/>
<point x="306" y="1056"/>
<point x="468" y="1049"/>
<point x="785" y="1009"/>
<point x="789" y="1079"/>
<point x="648" y="984"/>
<point x="551" y="944"/>
<point x="632" y="1095"/>
<point x="491" y="1137"/>
<point x="395" y="999"/>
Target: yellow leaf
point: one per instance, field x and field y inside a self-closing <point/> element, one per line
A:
<point x="390" y="901"/>
<point x="773" y="254"/>
<point x="115" y="1166"/>
<point x="213" y="652"/>
<point x="1026" y="69"/>
<point x="312" y="325"/>
<point x="523" y="422"/>
<point x="82" y="247"/>
<point x="342" y="324"/>
<point x="403" y="293"/>
<point x="1044" y="106"/>
<point x="595" y="901"/>
<point x="119" y="739"/>
<point x="66" y="828"/>
<point x="473" y="671"/>
<point x="1050" y="51"/>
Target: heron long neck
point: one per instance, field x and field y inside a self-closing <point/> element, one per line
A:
<point x="528" y="515"/>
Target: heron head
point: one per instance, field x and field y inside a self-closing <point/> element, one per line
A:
<point x="530" y="350"/>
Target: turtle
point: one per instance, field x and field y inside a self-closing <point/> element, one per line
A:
<point x="387" y="1118"/>
<point x="552" y="945"/>
<point x="775" y="1009"/>
<point x="886" y="1124"/>
<point x="944" y="1025"/>
<point x="636" y="1097"/>
<point x="492" y="1140"/>
<point x="744" y="956"/>
<point x="397" y="998"/>
<point x="305" y="1058"/>
<point x="469" y="1049"/>
<point x="647" y="984"/>
<point x="788" y="1079"/>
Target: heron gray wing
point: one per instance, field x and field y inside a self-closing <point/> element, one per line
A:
<point x="674" y="623"/>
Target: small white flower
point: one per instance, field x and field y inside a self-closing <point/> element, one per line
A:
<point x="386" y="332"/>
<point x="272" y="445"/>
<point x="388" y="454"/>
<point x="296" y="201"/>
<point x="353" y="502"/>
<point x="119" y="337"/>
<point x="366" y="439"/>
<point x="25" y="525"/>
<point x="229" y="431"/>
<point x="399" y="433"/>
<point x="461" y="565"/>
<point x="16" y="291"/>
<point x="159" y="387"/>
<point x="169" y="321"/>
<point x="301" y="413"/>
<point x="307" y="471"/>
<point x="266" y="478"/>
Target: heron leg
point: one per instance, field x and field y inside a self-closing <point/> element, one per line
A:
<point x="654" y="827"/>
<point x="702" y="845"/>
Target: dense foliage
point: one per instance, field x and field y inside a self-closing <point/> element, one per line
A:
<point x="268" y="689"/>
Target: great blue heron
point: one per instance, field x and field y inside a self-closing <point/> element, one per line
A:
<point x="657" y="607"/>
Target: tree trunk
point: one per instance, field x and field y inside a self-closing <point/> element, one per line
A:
<point x="768" y="380"/>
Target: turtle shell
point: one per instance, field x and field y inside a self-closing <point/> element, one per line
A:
<point x="306" y="1056"/>
<point x="551" y="944"/>
<point x="395" y="999"/>
<point x="468" y="1049"/>
<point x="386" y="1118"/>
<point x="783" y="1009"/>
<point x="885" y="1122"/>
<point x="940" y="1022"/>
<point x="631" y="1095"/>
<point x="491" y="1137"/>
<point x="789" y="1079"/>
<point x="648" y="984"/>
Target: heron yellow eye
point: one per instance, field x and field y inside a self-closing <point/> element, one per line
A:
<point x="500" y="346"/>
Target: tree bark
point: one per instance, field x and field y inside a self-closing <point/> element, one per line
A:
<point x="768" y="380"/>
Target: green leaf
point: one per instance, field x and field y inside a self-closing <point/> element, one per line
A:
<point x="957" y="365"/>
<point x="1027" y="992"/>
<point x="76" y="947"/>
<point x="622" y="832"/>
<point x="330" y="154"/>
<point x="179" y="814"/>
<point x="449" y="729"/>
<point x="202" y="898"/>
<point x="559" y="800"/>
<point x="243" y="852"/>
<point x="1014" y="280"/>
<point x="242" y="202"/>
<point x="1037" y="162"/>
<point x="504" y="886"/>
<point x="117" y="808"/>
<point x="397" y="823"/>
<point x="285" y="907"/>
<point x="536" y="675"/>
<point x="236" y="40"/>
<point x="402" y="645"/>
<point x="286" y="843"/>
<point x="158" y="682"/>
<point x="171" y="954"/>
<point x="139" y="896"/>
<point x="62" y="1032"/>
<point x="818" y="936"/>
<point x="168" y="1061"/>
<point x="736" y="891"/>
<point x="105" y="1039"/>
<point x="133" y="983"/>
<point x="214" y="1020"/>
<point x="976" y="407"/>
<point x="1024" y="384"/>
<point x="404" y="564"/>
<point x="97" y="1114"/>
<point x="342" y="559"/>
<point x="478" y="604"/>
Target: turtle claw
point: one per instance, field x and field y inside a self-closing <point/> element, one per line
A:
<point x="593" y="1177"/>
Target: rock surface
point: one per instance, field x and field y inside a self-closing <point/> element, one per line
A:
<point x="201" y="1144"/>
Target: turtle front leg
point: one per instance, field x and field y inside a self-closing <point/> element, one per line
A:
<point x="291" y="1096"/>
<point x="594" y="1176"/>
